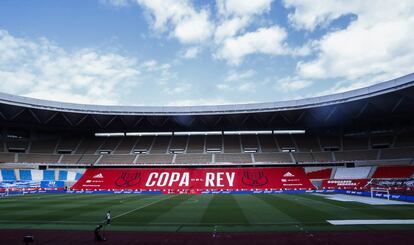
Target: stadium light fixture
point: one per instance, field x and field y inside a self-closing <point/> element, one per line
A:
<point x="294" y="131"/>
<point x="251" y="132"/>
<point x="149" y="134"/>
<point x="109" y="134"/>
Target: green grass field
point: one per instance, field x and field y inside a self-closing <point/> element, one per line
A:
<point x="189" y="213"/>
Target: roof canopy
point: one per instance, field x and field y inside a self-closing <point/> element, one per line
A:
<point x="385" y="102"/>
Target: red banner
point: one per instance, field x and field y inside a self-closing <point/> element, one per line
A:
<point x="198" y="179"/>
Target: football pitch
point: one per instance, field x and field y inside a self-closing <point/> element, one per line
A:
<point x="195" y="213"/>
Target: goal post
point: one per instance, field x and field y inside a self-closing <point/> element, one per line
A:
<point x="386" y="192"/>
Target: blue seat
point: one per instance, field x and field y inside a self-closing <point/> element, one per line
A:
<point x="63" y="175"/>
<point x="48" y="175"/>
<point x="25" y="174"/>
<point x="8" y="174"/>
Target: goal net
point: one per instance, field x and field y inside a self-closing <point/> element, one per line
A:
<point x="384" y="191"/>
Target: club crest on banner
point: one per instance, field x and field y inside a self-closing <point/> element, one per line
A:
<point x="128" y="179"/>
<point x="254" y="178"/>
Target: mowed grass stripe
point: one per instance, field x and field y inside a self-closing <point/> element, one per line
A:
<point x="297" y="211"/>
<point x="224" y="210"/>
<point x="72" y="210"/>
<point x="334" y="210"/>
<point x="188" y="212"/>
<point x="151" y="212"/>
<point x="44" y="205"/>
<point x="260" y="212"/>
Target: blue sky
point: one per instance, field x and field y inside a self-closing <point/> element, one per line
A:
<point x="182" y="52"/>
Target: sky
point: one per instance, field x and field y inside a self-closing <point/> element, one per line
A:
<point x="183" y="52"/>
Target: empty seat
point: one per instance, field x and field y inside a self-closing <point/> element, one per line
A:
<point x="90" y="145"/>
<point x="160" y="144"/>
<point x="330" y="142"/>
<point x="281" y="157"/>
<point x="397" y="153"/>
<point x="405" y="139"/>
<point x="356" y="155"/>
<point x="214" y="143"/>
<point x="6" y="157"/>
<point x="249" y="142"/>
<point x="178" y="143"/>
<point x="144" y="143"/>
<point x="285" y="141"/>
<point x="70" y="159"/>
<point x="126" y="145"/>
<point x="352" y="173"/>
<point x="322" y="156"/>
<point x="68" y="144"/>
<point x="193" y="158"/>
<point x="113" y="159"/>
<point x="233" y="158"/>
<point x="355" y="142"/>
<point x="231" y="144"/>
<point x="38" y="158"/>
<point x="152" y="158"/>
<point x="303" y="157"/>
<point x="195" y="144"/>
<point x="267" y="143"/>
<point x="306" y="142"/>
<point x="43" y="146"/>
<point x="110" y="144"/>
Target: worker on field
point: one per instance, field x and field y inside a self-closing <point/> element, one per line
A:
<point x="108" y="217"/>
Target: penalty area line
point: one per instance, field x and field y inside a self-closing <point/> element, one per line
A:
<point x="141" y="207"/>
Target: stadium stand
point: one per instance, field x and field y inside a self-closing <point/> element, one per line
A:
<point x="352" y="173"/>
<point x="116" y="158"/>
<point x="126" y="145"/>
<point x="233" y="158"/>
<point x="393" y="172"/>
<point x="144" y="143"/>
<point x="178" y="144"/>
<point x="214" y="143"/>
<point x="38" y="158"/>
<point x="153" y="158"/>
<point x="249" y="143"/>
<point x="353" y="155"/>
<point x="195" y="144"/>
<point x="231" y="144"/>
<point x="8" y="174"/>
<point x="193" y="158"/>
<point x="318" y="172"/>
<point x="285" y="142"/>
<point x="282" y="157"/>
<point x="68" y="144"/>
<point x="268" y="143"/>
<point x="160" y="144"/>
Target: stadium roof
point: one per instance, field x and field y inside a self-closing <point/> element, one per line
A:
<point x="388" y="100"/>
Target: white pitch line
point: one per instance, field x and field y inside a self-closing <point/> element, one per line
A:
<point x="372" y="222"/>
<point x="141" y="207"/>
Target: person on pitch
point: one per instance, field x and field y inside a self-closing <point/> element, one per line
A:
<point x="108" y="217"/>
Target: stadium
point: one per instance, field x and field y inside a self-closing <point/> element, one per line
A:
<point x="336" y="169"/>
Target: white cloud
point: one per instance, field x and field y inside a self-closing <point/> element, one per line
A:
<point x="262" y="41"/>
<point x="43" y="70"/>
<point x="180" y="19"/>
<point x="242" y="8"/>
<point x="234" y="75"/>
<point x="230" y="27"/>
<point x="191" y="53"/>
<point x="292" y="84"/>
<point x="377" y="44"/>
<point x="178" y="88"/>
